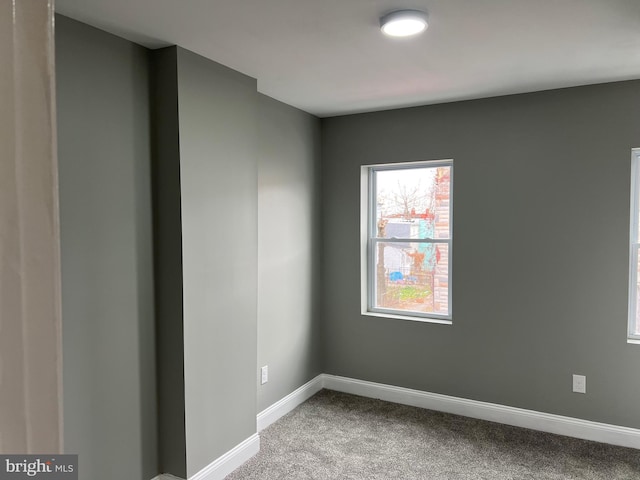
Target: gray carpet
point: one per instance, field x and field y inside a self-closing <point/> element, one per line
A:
<point x="338" y="436"/>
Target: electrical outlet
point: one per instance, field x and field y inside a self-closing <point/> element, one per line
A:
<point x="264" y="373"/>
<point x="580" y="384"/>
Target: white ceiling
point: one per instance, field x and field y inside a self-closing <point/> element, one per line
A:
<point x="328" y="57"/>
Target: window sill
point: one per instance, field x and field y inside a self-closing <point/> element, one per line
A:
<point x="410" y="318"/>
<point x="633" y="341"/>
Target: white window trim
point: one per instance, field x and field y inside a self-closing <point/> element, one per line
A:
<point x="365" y="226"/>
<point x="634" y="245"/>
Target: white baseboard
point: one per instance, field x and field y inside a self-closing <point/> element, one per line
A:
<point x="519" y="417"/>
<point x="234" y="458"/>
<point x="288" y="403"/>
<point x="227" y="463"/>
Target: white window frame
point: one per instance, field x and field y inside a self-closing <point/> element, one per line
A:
<point x="369" y="240"/>
<point x="634" y="245"/>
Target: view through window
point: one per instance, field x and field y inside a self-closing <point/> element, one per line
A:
<point x="409" y="241"/>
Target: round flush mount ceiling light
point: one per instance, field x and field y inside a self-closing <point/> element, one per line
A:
<point x="404" y="23"/>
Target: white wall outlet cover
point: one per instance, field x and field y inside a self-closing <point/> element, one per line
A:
<point x="580" y="384"/>
<point x="264" y="374"/>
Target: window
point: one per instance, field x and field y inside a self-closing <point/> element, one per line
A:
<point x="634" y="270"/>
<point x="406" y="240"/>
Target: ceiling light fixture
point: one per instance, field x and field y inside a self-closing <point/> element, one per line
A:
<point x="404" y="23"/>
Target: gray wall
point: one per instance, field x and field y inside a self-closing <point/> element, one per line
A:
<point x="540" y="259"/>
<point x="206" y="175"/>
<point x="215" y="129"/>
<point x="107" y="271"/>
<point x="167" y="223"/>
<point x="288" y="248"/>
<point x="217" y="112"/>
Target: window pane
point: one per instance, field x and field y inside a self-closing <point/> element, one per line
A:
<point x="413" y="202"/>
<point x="636" y="200"/>
<point x="412" y="277"/>
<point x="634" y="274"/>
<point x="635" y="329"/>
